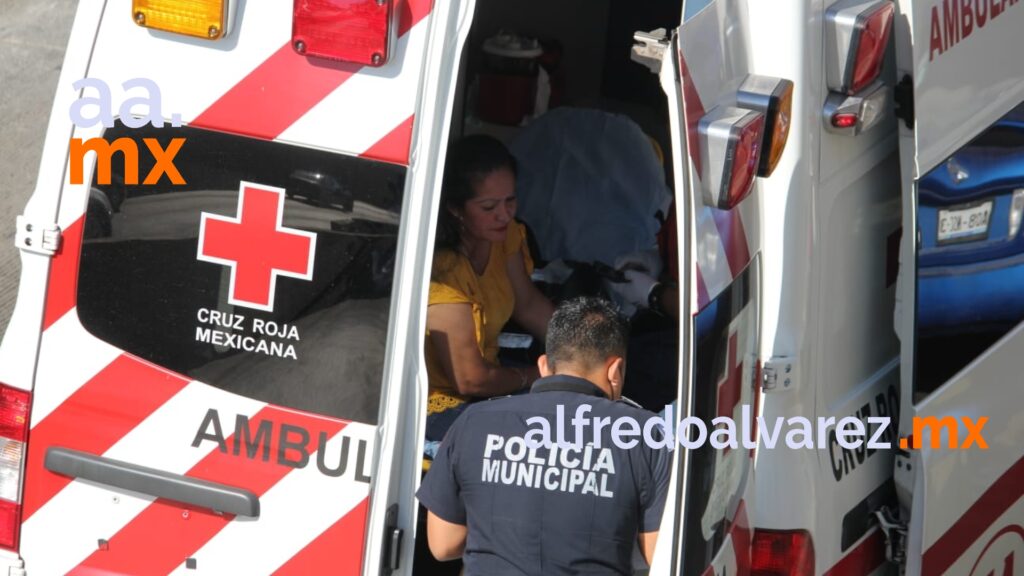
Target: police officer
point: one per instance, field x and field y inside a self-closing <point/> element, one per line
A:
<point x="532" y="484"/>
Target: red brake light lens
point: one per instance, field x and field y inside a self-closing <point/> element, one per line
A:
<point x="10" y="524"/>
<point x="730" y="141"/>
<point x="357" y="31"/>
<point x="746" y="159"/>
<point x="14" y="405"/>
<point x="874" y="38"/>
<point x="782" y="553"/>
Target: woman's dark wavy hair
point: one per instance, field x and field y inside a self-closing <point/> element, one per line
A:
<point x="470" y="160"/>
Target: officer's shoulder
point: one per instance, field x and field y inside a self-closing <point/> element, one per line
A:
<point x="495" y="403"/>
<point x="630" y="407"/>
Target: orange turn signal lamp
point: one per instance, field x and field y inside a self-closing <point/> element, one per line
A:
<point x="772" y="97"/>
<point x="208" y="19"/>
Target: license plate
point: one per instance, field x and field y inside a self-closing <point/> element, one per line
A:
<point x="964" y="224"/>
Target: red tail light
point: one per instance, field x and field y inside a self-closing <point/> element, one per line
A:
<point x="13" y="413"/>
<point x="730" y="140"/>
<point x="14" y="406"/>
<point x="871" y="43"/>
<point x="746" y="160"/>
<point x="858" y="113"/>
<point x="856" y="35"/>
<point x="782" y="553"/>
<point x="844" y="120"/>
<point x="357" y="31"/>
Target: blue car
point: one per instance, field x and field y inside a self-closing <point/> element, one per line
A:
<point x="971" y="249"/>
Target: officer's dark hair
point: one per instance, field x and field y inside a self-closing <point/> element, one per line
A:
<point x="585" y="331"/>
<point x="470" y="160"/>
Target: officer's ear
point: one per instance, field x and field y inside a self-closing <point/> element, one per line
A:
<point x="616" y="368"/>
<point x="542" y="365"/>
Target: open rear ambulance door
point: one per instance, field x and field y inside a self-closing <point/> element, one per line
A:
<point x="223" y="360"/>
<point x="707" y="528"/>
<point x="961" y="147"/>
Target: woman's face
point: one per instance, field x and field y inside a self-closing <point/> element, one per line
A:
<point x="487" y="215"/>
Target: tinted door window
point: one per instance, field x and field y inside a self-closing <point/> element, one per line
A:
<point x="725" y="332"/>
<point x="970" y="252"/>
<point x="292" y="311"/>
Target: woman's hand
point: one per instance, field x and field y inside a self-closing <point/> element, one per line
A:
<point x="453" y="336"/>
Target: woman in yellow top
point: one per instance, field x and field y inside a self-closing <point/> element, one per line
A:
<point x="480" y="279"/>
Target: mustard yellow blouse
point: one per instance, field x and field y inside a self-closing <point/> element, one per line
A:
<point x="453" y="281"/>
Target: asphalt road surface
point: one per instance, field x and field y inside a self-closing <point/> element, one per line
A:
<point x="33" y="35"/>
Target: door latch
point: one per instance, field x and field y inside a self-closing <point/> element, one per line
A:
<point x="37" y="238"/>
<point x="649" y="48"/>
<point x="895" y="531"/>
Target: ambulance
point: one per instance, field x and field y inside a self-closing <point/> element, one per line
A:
<point x="215" y="363"/>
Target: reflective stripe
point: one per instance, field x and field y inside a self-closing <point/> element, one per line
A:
<point x="68" y="358"/>
<point x="88" y="421"/>
<point x="339" y="549"/>
<point x="730" y="229"/>
<point x="149" y="545"/>
<point x="156" y="442"/>
<point x="712" y="258"/>
<point x="296" y="511"/>
<point x="63" y="283"/>
<point x="378" y="101"/>
<point x="1002" y="494"/>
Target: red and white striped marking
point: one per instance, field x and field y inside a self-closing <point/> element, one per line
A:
<point x="305" y="501"/>
<point x="300" y="506"/>
<point x="159" y="538"/>
<point x="1001" y="505"/>
<point x="253" y="83"/>
<point x="156" y="442"/>
<point x="392" y="103"/>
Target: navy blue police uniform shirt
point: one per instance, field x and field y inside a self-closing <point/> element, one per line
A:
<point x="554" y="510"/>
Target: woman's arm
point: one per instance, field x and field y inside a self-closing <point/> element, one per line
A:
<point x="453" y="336"/>
<point x="532" y="310"/>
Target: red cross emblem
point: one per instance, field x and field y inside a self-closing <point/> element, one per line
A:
<point x="256" y="246"/>
<point x="730" y="387"/>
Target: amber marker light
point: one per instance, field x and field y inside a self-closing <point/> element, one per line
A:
<point x="772" y="97"/>
<point x="199" y="18"/>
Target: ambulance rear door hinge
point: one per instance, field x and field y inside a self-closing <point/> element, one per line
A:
<point x="895" y="531"/>
<point x="36" y="237"/>
<point x="779" y="373"/>
<point x="649" y="48"/>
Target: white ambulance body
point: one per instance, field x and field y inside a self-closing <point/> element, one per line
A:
<point x="227" y="377"/>
<point x="962" y="509"/>
<point x="832" y="233"/>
